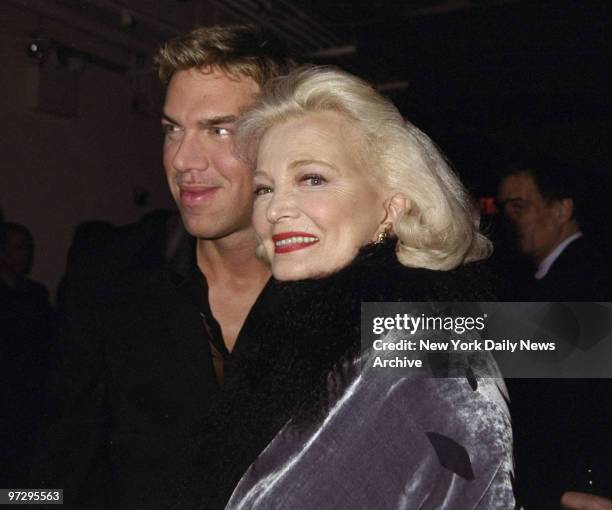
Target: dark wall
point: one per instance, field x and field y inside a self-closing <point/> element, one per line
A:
<point x="59" y="169"/>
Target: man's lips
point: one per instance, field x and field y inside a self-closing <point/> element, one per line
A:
<point x="191" y="197"/>
<point x="292" y="241"/>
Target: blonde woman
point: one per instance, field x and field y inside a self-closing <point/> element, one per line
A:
<point x="352" y="205"/>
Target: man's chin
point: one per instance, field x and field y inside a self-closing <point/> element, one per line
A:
<point x="206" y="228"/>
<point x="198" y="226"/>
<point x="524" y="248"/>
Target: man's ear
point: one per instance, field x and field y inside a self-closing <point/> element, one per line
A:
<point x="395" y="206"/>
<point x="564" y="210"/>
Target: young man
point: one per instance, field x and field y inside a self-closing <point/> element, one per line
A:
<point x="137" y="368"/>
<point x="211" y="186"/>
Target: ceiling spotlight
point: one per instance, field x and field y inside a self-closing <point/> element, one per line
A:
<point x="38" y="48"/>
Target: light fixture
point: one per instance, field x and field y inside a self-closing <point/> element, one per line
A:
<point x="38" y="48"/>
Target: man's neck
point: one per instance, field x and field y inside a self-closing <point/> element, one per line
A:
<point x="568" y="230"/>
<point x="545" y="264"/>
<point x="232" y="260"/>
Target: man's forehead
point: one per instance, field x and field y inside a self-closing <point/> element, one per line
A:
<point x="209" y="79"/>
<point x="220" y="72"/>
<point x="519" y="185"/>
<point x="214" y="92"/>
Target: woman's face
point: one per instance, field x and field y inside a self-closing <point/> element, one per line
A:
<point x="315" y="203"/>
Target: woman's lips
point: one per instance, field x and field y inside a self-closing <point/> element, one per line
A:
<point x="292" y="241"/>
<point x="191" y="197"/>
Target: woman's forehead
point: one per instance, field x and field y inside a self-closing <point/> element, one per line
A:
<point x="320" y="135"/>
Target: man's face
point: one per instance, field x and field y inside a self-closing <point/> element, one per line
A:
<point x="212" y="188"/>
<point x="537" y="222"/>
<point x="18" y="253"/>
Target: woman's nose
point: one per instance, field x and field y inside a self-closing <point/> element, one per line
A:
<point x="282" y="206"/>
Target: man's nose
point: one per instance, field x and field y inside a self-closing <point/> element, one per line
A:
<point x="508" y="213"/>
<point x="515" y="217"/>
<point x="509" y="216"/>
<point x="191" y="154"/>
<point x="282" y="206"/>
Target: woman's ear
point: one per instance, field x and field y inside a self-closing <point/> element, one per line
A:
<point x="395" y="206"/>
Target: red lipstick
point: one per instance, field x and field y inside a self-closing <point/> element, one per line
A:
<point x="286" y="242"/>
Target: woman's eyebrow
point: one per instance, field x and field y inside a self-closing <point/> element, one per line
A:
<point x="297" y="164"/>
<point x="304" y="162"/>
<point x="260" y="173"/>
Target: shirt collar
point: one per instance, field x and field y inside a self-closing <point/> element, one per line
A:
<point x="180" y="252"/>
<point x="546" y="264"/>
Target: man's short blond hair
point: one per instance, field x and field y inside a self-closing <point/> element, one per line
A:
<point x="237" y="50"/>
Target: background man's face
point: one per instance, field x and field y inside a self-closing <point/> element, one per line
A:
<point x="535" y="220"/>
<point x="18" y="254"/>
<point x="211" y="186"/>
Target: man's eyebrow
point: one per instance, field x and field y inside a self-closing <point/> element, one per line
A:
<point x="215" y="121"/>
<point x="212" y="121"/>
<point x="303" y="162"/>
<point x="510" y="200"/>
<point x="167" y="117"/>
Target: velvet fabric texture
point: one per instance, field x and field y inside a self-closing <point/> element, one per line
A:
<point x="391" y="443"/>
<point x="302" y="360"/>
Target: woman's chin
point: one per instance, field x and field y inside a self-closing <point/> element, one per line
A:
<point x="289" y="273"/>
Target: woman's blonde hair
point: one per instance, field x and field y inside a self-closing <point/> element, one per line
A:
<point x="440" y="227"/>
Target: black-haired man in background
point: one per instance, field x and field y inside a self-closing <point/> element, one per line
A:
<point x="541" y="201"/>
<point x="562" y="428"/>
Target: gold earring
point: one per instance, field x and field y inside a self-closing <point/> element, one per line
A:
<point x="382" y="236"/>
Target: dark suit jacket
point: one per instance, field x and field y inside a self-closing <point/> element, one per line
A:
<point x="580" y="273"/>
<point x="563" y="427"/>
<point x="27" y="343"/>
<point x="134" y="380"/>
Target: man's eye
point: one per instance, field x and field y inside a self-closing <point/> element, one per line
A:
<point x="313" y="179"/>
<point x="221" y="131"/>
<point x="262" y="190"/>
<point x="169" y="129"/>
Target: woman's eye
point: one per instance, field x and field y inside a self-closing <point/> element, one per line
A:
<point x="262" y="190"/>
<point x="313" y="179"/>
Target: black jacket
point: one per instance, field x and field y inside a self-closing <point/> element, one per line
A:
<point x="563" y="427"/>
<point x="135" y="375"/>
<point x="580" y="273"/>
